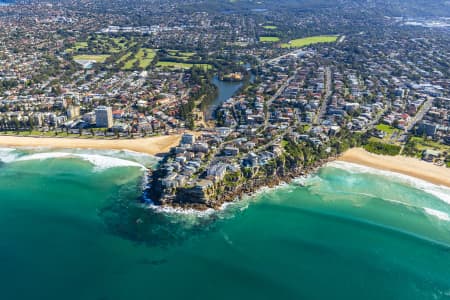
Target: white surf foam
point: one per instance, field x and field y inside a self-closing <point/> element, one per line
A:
<point x="438" y="191"/>
<point x="8" y="155"/>
<point x="437" y="213"/>
<point x="181" y="211"/>
<point x="226" y="210"/>
<point x="105" y="162"/>
<point x="141" y="158"/>
<point x="100" y="162"/>
<point x="429" y="211"/>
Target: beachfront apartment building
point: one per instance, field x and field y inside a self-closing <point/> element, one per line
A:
<point x="103" y="116"/>
<point x="73" y="111"/>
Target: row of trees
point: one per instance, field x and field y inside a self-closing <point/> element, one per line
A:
<point x="203" y="90"/>
<point x="16" y="124"/>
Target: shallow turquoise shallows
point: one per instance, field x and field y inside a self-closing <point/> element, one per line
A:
<point x="71" y="227"/>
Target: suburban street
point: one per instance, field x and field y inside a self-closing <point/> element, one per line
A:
<point x="328" y="91"/>
<point x="419" y="116"/>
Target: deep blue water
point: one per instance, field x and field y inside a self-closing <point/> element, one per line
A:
<point x="71" y="227"/>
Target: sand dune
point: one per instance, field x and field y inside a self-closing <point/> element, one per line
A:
<point x="399" y="164"/>
<point x="151" y="145"/>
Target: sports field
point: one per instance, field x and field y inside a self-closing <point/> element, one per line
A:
<point x="100" y="58"/>
<point x="303" y="42"/>
<point x="269" y="39"/>
<point x="178" y="65"/>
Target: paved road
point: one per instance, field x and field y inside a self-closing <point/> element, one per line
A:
<point x="419" y="116"/>
<point x="275" y="96"/>
<point x="328" y="91"/>
<point x="295" y="52"/>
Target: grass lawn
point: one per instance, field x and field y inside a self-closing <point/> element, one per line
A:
<point x="306" y="128"/>
<point x="177" y="53"/>
<point x="39" y="133"/>
<point x="270" y="27"/>
<point x="177" y="65"/>
<point x="145" y="57"/>
<point x="36" y="133"/>
<point x="97" y="58"/>
<point x="111" y="45"/>
<point x="128" y="64"/>
<point x="298" y="43"/>
<point x="102" y="45"/>
<point x="79" y="45"/>
<point x="422" y="144"/>
<point x="385" y="128"/>
<point x="124" y="57"/>
<point x="121" y="44"/>
<point x="269" y="39"/>
<point x="375" y="139"/>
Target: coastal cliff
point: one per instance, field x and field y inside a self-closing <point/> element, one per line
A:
<point x="210" y="192"/>
<point x="223" y="192"/>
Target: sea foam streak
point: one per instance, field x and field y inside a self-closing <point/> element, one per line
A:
<point x="8" y="155"/>
<point x="99" y="161"/>
<point x="141" y="158"/>
<point x="437" y="213"/>
<point x="440" y="192"/>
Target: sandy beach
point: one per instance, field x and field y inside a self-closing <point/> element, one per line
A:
<point x="399" y="164"/>
<point x="162" y="144"/>
<point x="151" y="145"/>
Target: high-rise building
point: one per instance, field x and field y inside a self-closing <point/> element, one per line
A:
<point x="188" y="138"/>
<point x="103" y="116"/>
<point x="73" y="111"/>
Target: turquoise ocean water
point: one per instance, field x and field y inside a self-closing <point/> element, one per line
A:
<point x="70" y="228"/>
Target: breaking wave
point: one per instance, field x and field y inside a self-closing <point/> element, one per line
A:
<point x="8" y="155"/>
<point x="100" y="162"/>
<point x="437" y="213"/>
<point x="438" y="191"/>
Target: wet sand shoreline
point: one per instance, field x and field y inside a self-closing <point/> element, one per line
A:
<point x="399" y="164"/>
<point x="152" y="145"/>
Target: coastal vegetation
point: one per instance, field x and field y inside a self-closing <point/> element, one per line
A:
<point x="379" y="147"/>
<point x="422" y="143"/>
<point x="274" y="121"/>
<point x="415" y="146"/>
<point x="289" y="159"/>
<point x="206" y="87"/>
<point x="199" y="97"/>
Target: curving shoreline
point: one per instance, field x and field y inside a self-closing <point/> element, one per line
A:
<point x="162" y="144"/>
<point x="399" y="164"/>
<point x="152" y="145"/>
